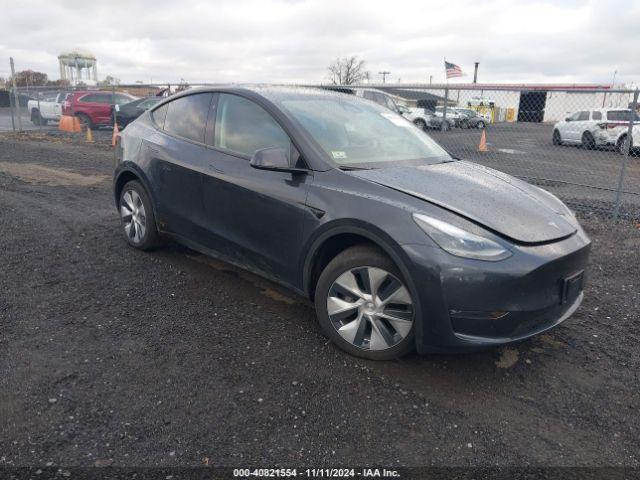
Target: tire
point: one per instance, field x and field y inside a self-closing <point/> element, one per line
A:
<point x="588" y="142"/>
<point x="421" y="124"/>
<point x="85" y="120"/>
<point x="137" y="218"/>
<point x="621" y="145"/>
<point x="556" y="139"/>
<point x="480" y="125"/>
<point x="36" y="117"/>
<point x="382" y="324"/>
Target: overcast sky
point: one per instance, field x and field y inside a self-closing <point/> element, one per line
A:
<point x="294" y="41"/>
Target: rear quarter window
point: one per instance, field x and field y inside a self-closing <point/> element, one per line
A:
<point x="187" y="116"/>
<point x="159" y="114"/>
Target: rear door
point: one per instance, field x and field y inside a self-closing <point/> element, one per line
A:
<point x="177" y="156"/>
<point x="581" y="124"/>
<point x="253" y="216"/>
<point x="568" y="129"/>
<point x="97" y="106"/>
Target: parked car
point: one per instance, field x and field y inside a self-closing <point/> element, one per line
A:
<point x="49" y="107"/>
<point x="425" y="119"/>
<point x="128" y="112"/>
<point x="471" y="118"/>
<point x="597" y="128"/>
<point x="399" y="245"/>
<point x="378" y="96"/>
<point x="452" y="114"/>
<point x="93" y="107"/>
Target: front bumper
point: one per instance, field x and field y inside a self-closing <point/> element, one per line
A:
<point x="468" y="304"/>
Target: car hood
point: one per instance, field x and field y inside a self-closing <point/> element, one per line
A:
<point x="499" y="202"/>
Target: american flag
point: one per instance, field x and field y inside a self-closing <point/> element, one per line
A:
<point x="452" y="70"/>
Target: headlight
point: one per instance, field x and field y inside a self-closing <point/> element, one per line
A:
<point x="460" y="242"/>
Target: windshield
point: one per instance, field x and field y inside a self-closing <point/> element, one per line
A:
<point x="363" y="134"/>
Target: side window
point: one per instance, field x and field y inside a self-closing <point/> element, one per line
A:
<point x="90" y="98"/>
<point x="583" y="116"/>
<point x="159" y="114"/>
<point x="187" y="116"/>
<point x="121" y="99"/>
<point x="596" y="115"/>
<point x="244" y="127"/>
<point x="573" y="117"/>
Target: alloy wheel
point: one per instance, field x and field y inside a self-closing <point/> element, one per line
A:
<point x="370" y="308"/>
<point x="134" y="218"/>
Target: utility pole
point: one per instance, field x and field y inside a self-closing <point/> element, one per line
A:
<point x="430" y="79"/>
<point x="15" y="93"/>
<point x="384" y="75"/>
<point x="475" y="72"/>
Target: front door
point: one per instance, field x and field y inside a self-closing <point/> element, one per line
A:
<point x="256" y="215"/>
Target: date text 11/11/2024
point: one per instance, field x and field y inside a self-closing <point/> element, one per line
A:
<point x="315" y="473"/>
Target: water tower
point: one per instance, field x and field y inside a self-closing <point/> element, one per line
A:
<point x="78" y="67"/>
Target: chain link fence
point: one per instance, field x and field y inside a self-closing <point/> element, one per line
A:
<point x="582" y="144"/>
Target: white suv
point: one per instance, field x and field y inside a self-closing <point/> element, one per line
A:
<point x="601" y="127"/>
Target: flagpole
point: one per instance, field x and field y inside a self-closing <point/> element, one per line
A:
<point x="446" y="98"/>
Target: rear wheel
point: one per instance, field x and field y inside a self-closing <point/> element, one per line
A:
<point x="588" y="142"/>
<point x="480" y="124"/>
<point x="556" y="138"/>
<point x="136" y="215"/>
<point x="36" y="117"/>
<point x="364" y="306"/>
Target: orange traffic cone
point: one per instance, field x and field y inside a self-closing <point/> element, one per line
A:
<point x="69" y="123"/>
<point x="482" y="147"/>
<point x="116" y="133"/>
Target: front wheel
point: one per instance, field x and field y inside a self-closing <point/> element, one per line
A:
<point x="137" y="218"/>
<point x="421" y="124"/>
<point x="623" y="144"/>
<point x="480" y="125"/>
<point x="364" y="306"/>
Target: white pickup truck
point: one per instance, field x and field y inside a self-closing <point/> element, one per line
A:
<point x="48" y="108"/>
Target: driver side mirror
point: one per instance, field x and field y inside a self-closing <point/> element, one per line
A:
<point x="274" y="158"/>
<point x="568" y="119"/>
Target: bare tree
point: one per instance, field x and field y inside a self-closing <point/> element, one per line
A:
<point x="347" y="71"/>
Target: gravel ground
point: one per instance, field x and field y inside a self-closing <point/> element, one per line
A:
<point x="111" y="356"/>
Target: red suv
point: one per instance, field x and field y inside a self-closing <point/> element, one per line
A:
<point x="94" y="108"/>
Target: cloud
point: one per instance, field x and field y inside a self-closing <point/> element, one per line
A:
<point x="294" y="41"/>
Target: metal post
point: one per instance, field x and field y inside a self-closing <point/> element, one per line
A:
<point x="627" y="150"/>
<point x="475" y="72"/>
<point x="113" y="102"/>
<point x="15" y="93"/>
<point x="39" y="113"/>
<point x="443" y="127"/>
<point x="13" y="120"/>
<point x="115" y="120"/>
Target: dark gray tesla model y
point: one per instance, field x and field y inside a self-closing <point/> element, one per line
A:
<point x="399" y="245"/>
